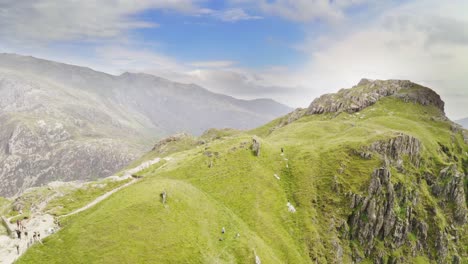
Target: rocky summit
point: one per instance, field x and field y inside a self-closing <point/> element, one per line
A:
<point x="371" y="174"/>
<point x="368" y="92"/>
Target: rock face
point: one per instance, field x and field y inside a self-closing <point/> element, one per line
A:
<point x="392" y="213"/>
<point x="368" y="92"/>
<point x="396" y="148"/>
<point x="450" y="189"/>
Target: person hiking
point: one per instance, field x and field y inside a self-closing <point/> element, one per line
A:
<point x="17" y="248"/>
<point x="18" y="233"/>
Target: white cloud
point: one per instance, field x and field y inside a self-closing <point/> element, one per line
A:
<point x="50" y="20"/>
<point x="213" y="64"/>
<point x="304" y="10"/>
<point x="424" y="42"/>
<point x="234" y="15"/>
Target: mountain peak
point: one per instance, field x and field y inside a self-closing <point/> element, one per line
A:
<point x="367" y="92"/>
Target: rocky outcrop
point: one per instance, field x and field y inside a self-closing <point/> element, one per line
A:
<point x="387" y="214"/>
<point x="373" y="216"/>
<point x="368" y="92"/>
<point x="165" y="141"/>
<point x="450" y="189"/>
<point x="255" y="146"/>
<point x="289" y="118"/>
<point x="393" y="150"/>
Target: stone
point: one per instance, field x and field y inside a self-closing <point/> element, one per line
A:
<point x="256" y="146"/>
<point x="368" y="92"/>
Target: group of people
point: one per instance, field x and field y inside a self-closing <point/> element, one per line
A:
<point x="22" y="233"/>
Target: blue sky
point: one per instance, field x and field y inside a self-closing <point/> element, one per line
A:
<point x="254" y="43"/>
<point x="288" y="50"/>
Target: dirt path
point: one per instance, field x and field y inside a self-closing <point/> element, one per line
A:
<point x="127" y="174"/>
<point x="44" y="223"/>
<point x="100" y="198"/>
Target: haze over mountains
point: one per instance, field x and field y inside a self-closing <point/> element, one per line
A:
<point x="64" y="122"/>
<point x="463" y="122"/>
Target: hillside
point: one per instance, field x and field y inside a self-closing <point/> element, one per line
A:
<point x="379" y="177"/>
<point x="64" y="122"/>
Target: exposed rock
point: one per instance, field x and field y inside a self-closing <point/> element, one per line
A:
<point x="368" y="92"/>
<point x="465" y="135"/>
<point x="289" y="118"/>
<point x="163" y="142"/>
<point x="256" y="146"/>
<point x="398" y="147"/>
<point x="441" y="245"/>
<point x="373" y="215"/>
<point x="450" y="188"/>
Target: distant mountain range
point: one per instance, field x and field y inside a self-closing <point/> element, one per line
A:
<point x="66" y="122"/>
<point x="463" y="122"/>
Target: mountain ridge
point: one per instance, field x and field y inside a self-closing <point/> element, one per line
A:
<point x="100" y="114"/>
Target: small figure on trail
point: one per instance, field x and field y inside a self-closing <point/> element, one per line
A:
<point x="282" y="150"/>
<point x="18" y="233"/>
<point x="18" y="224"/>
<point x="163" y="197"/>
<point x="17" y="248"/>
<point x="34" y="236"/>
<point x="223" y="230"/>
<point x="26" y="234"/>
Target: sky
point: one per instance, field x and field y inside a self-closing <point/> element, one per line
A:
<point x="288" y="50"/>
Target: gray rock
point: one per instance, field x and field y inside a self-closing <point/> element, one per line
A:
<point x="397" y="147"/>
<point x="256" y="146"/>
<point x="368" y="92"/>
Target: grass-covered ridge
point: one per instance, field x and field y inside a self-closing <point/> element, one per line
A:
<point x="220" y="183"/>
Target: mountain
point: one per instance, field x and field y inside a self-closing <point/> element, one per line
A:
<point x="372" y="174"/>
<point x="64" y="122"/>
<point x="463" y="122"/>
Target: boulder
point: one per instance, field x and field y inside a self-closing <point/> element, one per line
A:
<point x="256" y="146"/>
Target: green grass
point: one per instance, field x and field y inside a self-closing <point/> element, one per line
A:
<point x="80" y="197"/>
<point x="240" y="193"/>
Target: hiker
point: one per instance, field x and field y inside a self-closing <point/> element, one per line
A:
<point x="163" y="197"/>
<point x="282" y="150"/>
<point x="17" y="248"/>
<point x="223" y="230"/>
<point x="26" y="234"/>
<point x="34" y="236"/>
<point x="18" y="233"/>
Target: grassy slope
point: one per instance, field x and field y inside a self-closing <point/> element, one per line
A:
<point x="240" y="193"/>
